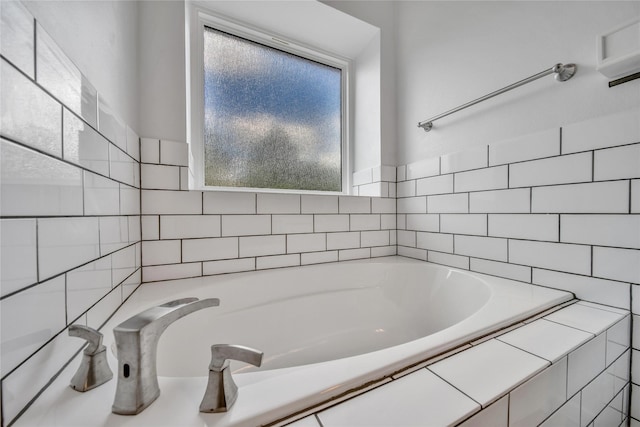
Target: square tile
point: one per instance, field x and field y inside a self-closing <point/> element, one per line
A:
<point x="545" y="339"/>
<point x="425" y="397"/>
<point x="488" y="370"/>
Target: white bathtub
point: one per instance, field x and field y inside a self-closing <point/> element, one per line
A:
<point x="324" y="330"/>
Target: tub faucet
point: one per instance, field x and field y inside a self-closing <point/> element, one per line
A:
<point x="137" y="345"/>
<point x="222" y="391"/>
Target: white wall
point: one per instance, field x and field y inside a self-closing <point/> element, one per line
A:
<point x="100" y="37"/>
<point x="449" y="53"/>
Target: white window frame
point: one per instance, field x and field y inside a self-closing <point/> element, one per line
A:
<point x="199" y="17"/>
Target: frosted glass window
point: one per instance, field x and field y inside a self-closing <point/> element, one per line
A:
<point x="272" y="119"/>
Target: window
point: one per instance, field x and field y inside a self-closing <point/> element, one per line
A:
<point x="273" y="114"/>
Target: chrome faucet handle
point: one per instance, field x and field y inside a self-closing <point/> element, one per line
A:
<point x="94" y="369"/>
<point x="222" y="391"/>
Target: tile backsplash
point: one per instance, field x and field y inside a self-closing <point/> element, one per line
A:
<point x="70" y="208"/>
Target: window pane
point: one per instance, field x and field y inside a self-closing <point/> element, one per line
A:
<point x="271" y="119"/>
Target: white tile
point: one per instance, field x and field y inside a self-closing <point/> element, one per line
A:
<point x="585" y="318"/>
<point x="354" y="204"/>
<point x="406" y="189"/>
<point x="435" y="241"/>
<point x="464" y="224"/>
<point x="60" y="77"/>
<point x="324" y="223"/>
<point x="456" y="261"/>
<point x="635" y="299"/>
<point x="133" y="144"/>
<point x="160" y="177"/>
<point x="174" y="153"/>
<point x="219" y="202"/>
<point x="481" y="247"/>
<point x="29" y="319"/>
<point x="86" y="285"/>
<point x="635" y="196"/>
<point x="209" y="249"/>
<point x="530" y="227"/>
<point x="173" y="271"/>
<point x="501" y="201"/>
<point x="567" y="416"/>
<point x="556" y="170"/>
<point x="150" y="227"/>
<point x="423" y="168"/>
<point x="494" y="178"/>
<point x="401" y="173"/>
<point x="383" y="205"/>
<point x="635" y="365"/>
<point x="172" y="202"/>
<point x="555" y="256"/>
<point x="603" y="230"/>
<point x="318" y="204"/>
<point x="618" y="339"/>
<point x="64" y="243"/>
<point x="414" y="253"/>
<point x="83" y="145"/>
<point x="607" y="131"/>
<point x="246" y="225"/>
<point x="18" y="254"/>
<point x="131" y="284"/>
<point x="412" y="205"/>
<point x="156" y="252"/>
<point x="278" y="203"/>
<point x="111" y="125"/>
<point x="473" y="158"/>
<point x="401" y="221"/>
<point x="374" y="238"/>
<point x="528" y="147"/>
<point x="364" y="176"/>
<point x="99" y="313"/>
<point x="309" y="421"/>
<point x="617" y="163"/>
<point x="635" y="403"/>
<point x="26" y="382"/>
<point x="585" y="288"/>
<point x="129" y="200"/>
<point x="149" y="150"/>
<point x="135" y="229"/>
<point x="501" y="269"/>
<point x="364" y="222"/>
<point x="611" y="415"/>
<point x="547" y="389"/>
<point x="546" y="339"/>
<point x="228" y="266"/>
<point x="617" y="264"/>
<point x="114" y="233"/>
<point x="189" y="226"/>
<point x="449" y="203"/>
<point x="382" y="251"/>
<point x="185" y="173"/>
<point x="423" y="222"/>
<point x="121" y="166"/>
<point x="407" y="238"/>
<point x="123" y="263"/>
<point x="306" y="243"/>
<point x="101" y="195"/>
<point x="277" y="261"/>
<point x="27" y="114"/>
<point x="346" y="240"/>
<point x="392" y="189"/>
<point x="488" y="370"/>
<point x="375" y="189"/>
<point x="34" y="184"/>
<point x="387" y="173"/>
<point x="319" y="257"/>
<point x="495" y="415"/>
<point x="16" y="36"/>
<point x="597" y="197"/>
<point x="381" y="407"/>
<point x="435" y="185"/>
<point x="262" y="245"/>
<point x="597" y="394"/>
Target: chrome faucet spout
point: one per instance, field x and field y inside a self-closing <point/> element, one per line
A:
<point x="137" y="345"/>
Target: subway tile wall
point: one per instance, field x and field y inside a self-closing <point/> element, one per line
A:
<point x="199" y="233"/>
<point x="558" y="208"/>
<point x="70" y="208"/>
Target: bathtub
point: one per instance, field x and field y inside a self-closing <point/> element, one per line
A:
<point x="325" y="330"/>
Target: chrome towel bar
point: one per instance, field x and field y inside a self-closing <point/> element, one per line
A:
<point x="562" y="72"/>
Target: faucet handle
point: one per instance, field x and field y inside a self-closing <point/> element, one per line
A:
<point x="94" y="369"/>
<point x="222" y="391"/>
